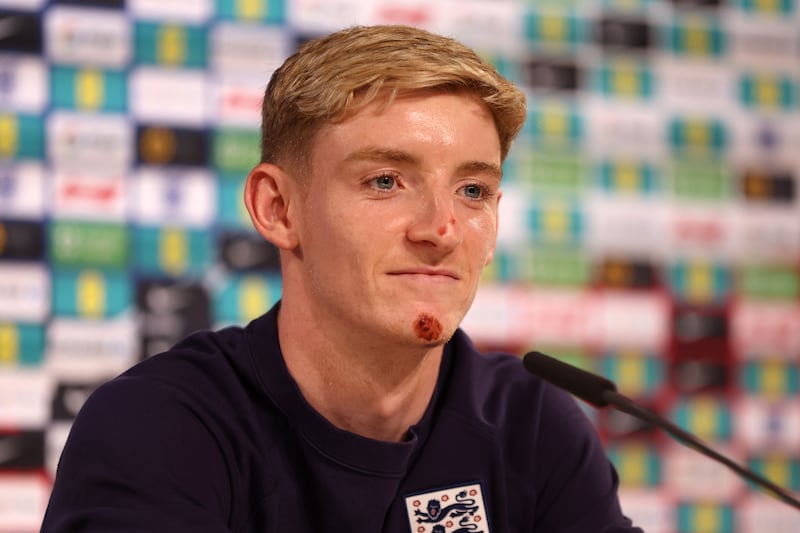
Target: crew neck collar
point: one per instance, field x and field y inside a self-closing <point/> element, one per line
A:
<point x="390" y="459"/>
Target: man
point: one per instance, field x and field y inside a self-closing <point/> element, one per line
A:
<point x="355" y="404"/>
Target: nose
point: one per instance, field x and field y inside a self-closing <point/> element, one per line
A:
<point x="434" y="221"/>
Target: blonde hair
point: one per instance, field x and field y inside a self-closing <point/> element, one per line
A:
<point x="334" y="76"/>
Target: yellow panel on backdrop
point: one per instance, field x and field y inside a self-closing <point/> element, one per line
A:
<point x="9" y="138"/>
<point x="89" y="91"/>
<point x="9" y="343"/>
<point x="91" y="294"/>
<point x="171" y="45"/>
<point x="174" y="251"/>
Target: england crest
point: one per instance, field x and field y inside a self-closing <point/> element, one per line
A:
<point x="459" y="509"/>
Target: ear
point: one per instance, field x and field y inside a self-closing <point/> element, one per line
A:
<point x="490" y="255"/>
<point x="269" y="195"/>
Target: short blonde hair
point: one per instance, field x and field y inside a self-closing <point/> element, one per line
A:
<point x="331" y="77"/>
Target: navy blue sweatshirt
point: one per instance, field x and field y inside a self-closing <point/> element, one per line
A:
<point x="215" y="436"/>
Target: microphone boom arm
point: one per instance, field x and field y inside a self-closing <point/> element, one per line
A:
<point x="626" y="405"/>
<point x="601" y="392"/>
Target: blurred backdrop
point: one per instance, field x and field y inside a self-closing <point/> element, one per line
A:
<point x="650" y="224"/>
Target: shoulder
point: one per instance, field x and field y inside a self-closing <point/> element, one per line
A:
<point x="166" y="436"/>
<point x="161" y="391"/>
<point x="200" y="391"/>
<point x="203" y="365"/>
<point x="138" y="456"/>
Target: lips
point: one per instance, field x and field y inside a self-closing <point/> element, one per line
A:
<point x="427" y="273"/>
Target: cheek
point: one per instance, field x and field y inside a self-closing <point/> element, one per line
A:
<point x="483" y="232"/>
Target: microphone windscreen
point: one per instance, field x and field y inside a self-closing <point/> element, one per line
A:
<point x="585" y="385"/>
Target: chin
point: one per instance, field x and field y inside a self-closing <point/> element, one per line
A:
<point x="441" y="341"/>
<point x="424" y="324"/>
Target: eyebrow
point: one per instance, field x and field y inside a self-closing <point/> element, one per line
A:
<point x="382" y="154"/>
<point x="399" y="156"/>
<point x="482" y="167"/>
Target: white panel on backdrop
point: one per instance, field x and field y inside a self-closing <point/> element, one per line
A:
<point x="489" y="319"/>
<point x="650" y="509"/>
<point x="22" y="190"/>
<point x="768" y="140"/>
<point x="764" y="328"/>
<point x="696" y="477"/>
<point x="511" y="215"/>
<point x="700" y="230"/>
<point x="25" y="398"/>
<point x="236" y="100"/>
<point x="623" y="130"/>
<point x="80" y="141"/>
<point x="177" y="97"/>
<point x="512" y="316"/>
<point x="761" y="513"/>
<point x="185" y="197"/>
<point x="248" y="49"/>
<point x="553" y="317"/>
<point x="767" y="426"/>
<point x="419" y="13"/>
<point x="489" y="27"/>
<point x="323" y="16"/>
<point x="23" y="84"/>
<point x="625" y="319"/>
<point x="23" y="499"/>
<point x="772" y="43"/>
<point x="88" y="196"/>
<point x="87" y="36"/>
<point x="766" y="233"/>
<point x="91" y="349"/>
<point x="24" y="292"/>
<point x="634" y="226"/>
<point x="196" y="11"/>
<point x="695" y="87"/>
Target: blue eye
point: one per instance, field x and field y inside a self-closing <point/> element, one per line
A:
<point x="474" y="191"/>
<point x="385" y="182"/>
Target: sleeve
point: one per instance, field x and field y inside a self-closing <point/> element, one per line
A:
<point x="577" y="489"/>
<point x="139" y="458"/>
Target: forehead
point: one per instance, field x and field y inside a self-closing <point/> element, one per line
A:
<point x="419" y="120"/>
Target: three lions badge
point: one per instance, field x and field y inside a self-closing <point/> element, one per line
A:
<point x="459" y="509"/>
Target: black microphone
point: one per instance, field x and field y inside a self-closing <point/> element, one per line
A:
<point x="602" y="392"/>
<point x="585" y="385"/>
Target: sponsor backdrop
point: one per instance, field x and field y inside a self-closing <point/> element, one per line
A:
<point x="650" y="227"/>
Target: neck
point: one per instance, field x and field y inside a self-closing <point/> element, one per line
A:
<point x="374" y="391"/>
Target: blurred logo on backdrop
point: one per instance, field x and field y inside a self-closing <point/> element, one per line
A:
<point x="164" y="145"/>
<point x="75" y="35"/>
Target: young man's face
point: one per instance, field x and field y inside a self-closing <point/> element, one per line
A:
<point x="400" y="217"/>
